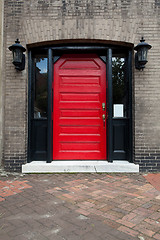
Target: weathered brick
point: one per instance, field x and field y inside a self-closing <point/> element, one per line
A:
<point x="122" y="21"/>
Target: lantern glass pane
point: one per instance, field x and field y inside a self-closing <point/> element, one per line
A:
<point x="139" y="53"/>
<point x="17" y="55"/>
<point x="144" y="54"/>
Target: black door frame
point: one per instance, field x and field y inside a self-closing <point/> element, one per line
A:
<point x="59" y="50"/>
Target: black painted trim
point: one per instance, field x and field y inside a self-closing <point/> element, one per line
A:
<point x="80" y="47"/>
<point x="56" y="58"/>
<point x="129" y="67"/>
<point x="103" y="58"/>
<point x="29" y="103"/>
<point x="110" y="123"/>
<point x="49" y="111"/>
<point x="109" y="96"/>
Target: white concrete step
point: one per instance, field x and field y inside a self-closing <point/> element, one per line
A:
<point x="79" y="166"/>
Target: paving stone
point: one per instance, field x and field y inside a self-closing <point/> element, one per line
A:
<point x="154" y="179"/>
<point x="79" y="206"/>
<point x="128" y="231"/>
<point x="156" y="236"/>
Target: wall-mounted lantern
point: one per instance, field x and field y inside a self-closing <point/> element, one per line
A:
<point x="141" y="54"/>
<point x="18" y="56"/>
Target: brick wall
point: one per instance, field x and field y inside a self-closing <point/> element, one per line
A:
<point x="35" y="21"/>
<point x="147" y="98"/>
<point x="1" y="57"/>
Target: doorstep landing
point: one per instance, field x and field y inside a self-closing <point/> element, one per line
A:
<point x="80" y="166"/>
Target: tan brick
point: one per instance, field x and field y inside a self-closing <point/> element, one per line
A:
<point x="121" y="21"/>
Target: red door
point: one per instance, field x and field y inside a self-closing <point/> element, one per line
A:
<point x="79" y="89"/>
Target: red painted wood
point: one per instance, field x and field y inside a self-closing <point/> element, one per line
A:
<point x="79" y="89"/>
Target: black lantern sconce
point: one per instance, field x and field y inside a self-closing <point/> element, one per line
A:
<point x="141" y="54"/>
<point x="18" y="56"/>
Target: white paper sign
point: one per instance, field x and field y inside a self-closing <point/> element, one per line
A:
<point x="118" y="110"/>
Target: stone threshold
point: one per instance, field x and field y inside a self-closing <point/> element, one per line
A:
<point x="75" y="166"/>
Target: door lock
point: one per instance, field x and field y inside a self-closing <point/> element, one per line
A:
<point x="103" y="106"/>
<point x="103" y="117"/>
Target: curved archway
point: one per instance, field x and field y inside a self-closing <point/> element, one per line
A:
<point x="91" y="42"/>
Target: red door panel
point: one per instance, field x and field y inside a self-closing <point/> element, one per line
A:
<point x="79" y="89"/>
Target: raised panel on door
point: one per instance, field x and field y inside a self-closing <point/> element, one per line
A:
<point x="79" y="89"/>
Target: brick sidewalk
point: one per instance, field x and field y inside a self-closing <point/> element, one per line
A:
<point x="79" y="207"/>
<point x="154" y="179"/>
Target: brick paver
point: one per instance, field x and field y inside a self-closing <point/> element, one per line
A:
<point x="79" y="206"/>
<point x="154" y="179"/>
<point x="9" y="188"/>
